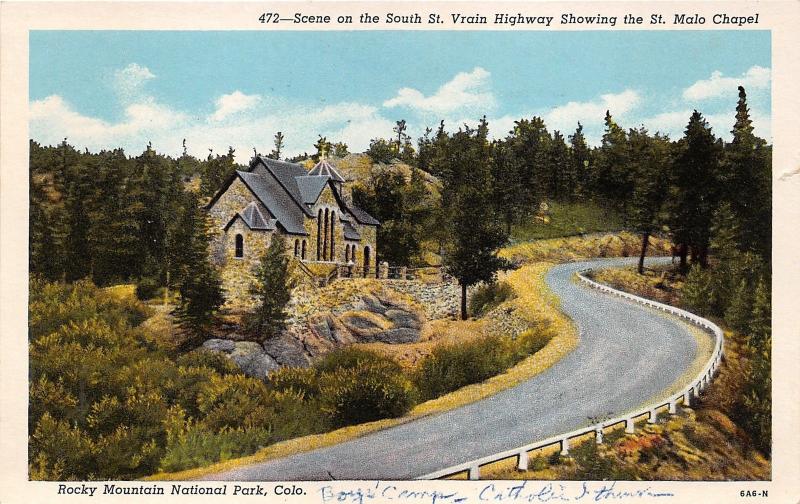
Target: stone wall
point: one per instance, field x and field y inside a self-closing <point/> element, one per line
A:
<point x="238" y="272"/>
<point x="440" y="300"/>
<point x="233" y="200"/>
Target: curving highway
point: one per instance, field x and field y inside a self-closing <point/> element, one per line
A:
<point x="626" y="355"/>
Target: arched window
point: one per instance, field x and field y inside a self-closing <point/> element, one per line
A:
<point x="296" y="248"/>
<point x="347" y="253"/>
<point x="319" y="235"/>
<point x="325" y="238"/>
<point x="366" y="261"/>
<point x="303" y="252"/>
<point x="239" y="245"/>
<point x="333" y="240"/>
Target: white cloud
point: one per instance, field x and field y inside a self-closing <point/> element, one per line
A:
<point x="467" y="91"/>
<point x="52" y="119"/>
<point x="233" y="103"/>
<point x="566" y="117"/>
<point x="130" y="80"/>
<point x="756" y="77"/>
<point x="236" y="119"/>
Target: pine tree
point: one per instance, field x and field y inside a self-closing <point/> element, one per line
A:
<point x="323" y="147"/>
<point x="697" y="290"/>
<point x="400" y="129"/>
<point x="508" y="193"/>
<point x="273" y="290"/>
<point x="728" y="269"/>
<point x="649" y="159"/>
<point x="740" y="308"/>
<point x="760" y="327"/>
<point x="276" y="152"/>
<point x="580" y="160"/>
<point x="340" y="149"/>
<point x="216" y="170"/>
<point x="756" y="403"/>
<point x="201" y="287"/>
<point x="529" y="141"/>
<point x="380" y="151"/>
<point x="695" y="195"/>
<point x="562" y="179"/>
<point x="425" y="150"/>
<point x="79" y="191"/>
<point x="746" y="175"/>
<point x="475" y="230"/>
<point x="611" y="178"/>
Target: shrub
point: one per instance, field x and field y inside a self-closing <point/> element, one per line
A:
<point x="199" y="447"/>
<point x="353" y="357"/>
<point x="452" y="366"/>
<point x="203" y="357"/>
<point x="366" y="392"/>
<point x="52" y="305"/>
<point x="302" y="380"/>
<point x="593" y="466"/>
<point x="530" y="342"/>
<point x="59" y="451"/>
<point x="487" y="296"/>
<point x="234" y="401"/>
<point x="697" y="292"/>
<point x="147" y="288"/>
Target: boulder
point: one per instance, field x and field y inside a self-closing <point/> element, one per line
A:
<point x="249" y="356"/>
<point x="402" y="318"/>
<point x="321" y="326"/>
<point x="398" y="335"/>
<point x="287" y="351"/>
<point x="219" y="345"/>
<point x="373" y="304"/>
<point x="252" y="359"/>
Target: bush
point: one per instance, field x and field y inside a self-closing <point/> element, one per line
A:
<point x="350" y="385"/>
<point x="697" y="292"/>
<point x="199" y="447"/>
<point x="52" y="305"/>
<point x="366" y="392"/>
<point x="487" y="296"/>
<point x="147" y="288"/>
<point x="450" y="367"/>
<point x="351" y="358"/>
<point x="530" y="342"/>
<point x="203" y="357"/>
<point x="593" y="466"/>
<point x="302" y="380"/>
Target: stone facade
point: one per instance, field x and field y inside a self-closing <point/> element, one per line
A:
<point x="312" y="244"/>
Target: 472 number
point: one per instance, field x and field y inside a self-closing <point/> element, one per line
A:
<point x="269" y="17"/>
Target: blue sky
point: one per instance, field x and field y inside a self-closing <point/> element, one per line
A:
<point x="104" y="89"/>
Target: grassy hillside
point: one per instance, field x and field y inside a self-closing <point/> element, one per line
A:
<point x="568" y="219"/>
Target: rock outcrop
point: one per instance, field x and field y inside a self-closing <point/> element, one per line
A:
<point x="250" y="356"/>
<point x="368" y="316"/>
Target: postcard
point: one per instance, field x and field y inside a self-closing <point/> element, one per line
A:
<point x="373" y="252"/>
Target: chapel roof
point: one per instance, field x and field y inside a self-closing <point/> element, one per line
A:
<point x="324" y="168"/>
<point x="288" y="192"/>
<point x="251" y="215"/>
<point x="350" y="233"/>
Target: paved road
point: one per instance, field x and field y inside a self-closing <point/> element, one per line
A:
<point x="626" y="355"/>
